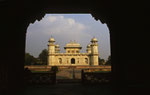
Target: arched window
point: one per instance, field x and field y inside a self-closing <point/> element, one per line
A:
<point x="60" y="60"/>
<point x="68" y="51"/>
<point x="73" y="51"/>
<point x="72" y="61"/>
<point x="86" y="60"/>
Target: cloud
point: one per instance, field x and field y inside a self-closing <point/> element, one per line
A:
<point x="59" y="24"/>
<point x="52" y="19"/>
<point x="62" y="28"/>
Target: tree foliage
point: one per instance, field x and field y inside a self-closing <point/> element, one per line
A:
<point x="108" y="62"/>
<point x="43" y="56"/>
<point x="101" y="61"/>
<point x="29" y="59"/>
<point x="54" y="69"/>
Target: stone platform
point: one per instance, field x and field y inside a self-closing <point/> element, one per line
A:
<point x="47" y="68"/>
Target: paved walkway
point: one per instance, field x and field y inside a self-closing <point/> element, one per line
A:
<point x="68" y="74"/>
<point x="68" y="89"/>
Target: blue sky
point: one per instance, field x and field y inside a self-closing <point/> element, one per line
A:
<point x="66" y="27"/>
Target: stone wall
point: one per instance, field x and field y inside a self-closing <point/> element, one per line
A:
<point x="66" y="60"/>
<point x="47" y="68"/>
<point x="80" y="59"/>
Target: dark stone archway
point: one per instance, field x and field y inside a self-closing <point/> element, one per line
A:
<point x="73" y="61"/>
<point x="128" y="34"/>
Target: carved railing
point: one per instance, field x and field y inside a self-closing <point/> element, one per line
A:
<point x="96" y="77"/>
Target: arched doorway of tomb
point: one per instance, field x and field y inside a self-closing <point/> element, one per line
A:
<point x="72" y="61"/>
<point x="60" y="60"/>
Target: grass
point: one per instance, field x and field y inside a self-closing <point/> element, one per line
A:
<point x="40" y="71"/>
<point x="102" y="71"/>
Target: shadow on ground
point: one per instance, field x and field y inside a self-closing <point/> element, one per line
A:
<point x="68" y="89"/>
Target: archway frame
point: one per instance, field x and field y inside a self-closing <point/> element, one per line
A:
<point x="102" y="16"/>
<point x="122" y="19"/>
<point x="24" y="14"/>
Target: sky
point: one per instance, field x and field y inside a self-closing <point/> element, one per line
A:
<point x="64" y="28"/>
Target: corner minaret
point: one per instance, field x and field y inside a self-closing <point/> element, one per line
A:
<point x="88" y="50"/>
<point x="94" y="52"/>
<point x="51" y="51"/>
<point x="57" y="48"/>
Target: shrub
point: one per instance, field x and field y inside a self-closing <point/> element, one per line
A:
<point x="54" y="69"/>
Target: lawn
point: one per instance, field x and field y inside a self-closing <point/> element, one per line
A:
<point x="102" y="71"/>
<point x="40" y="71"/>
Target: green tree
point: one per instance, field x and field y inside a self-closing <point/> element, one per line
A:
<point x="101" y="61"/>
<point x="29" y="59"/>
<point x="108" y="62"/>
<point x="43" y="56"/>
<point x="54" y="69"/>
